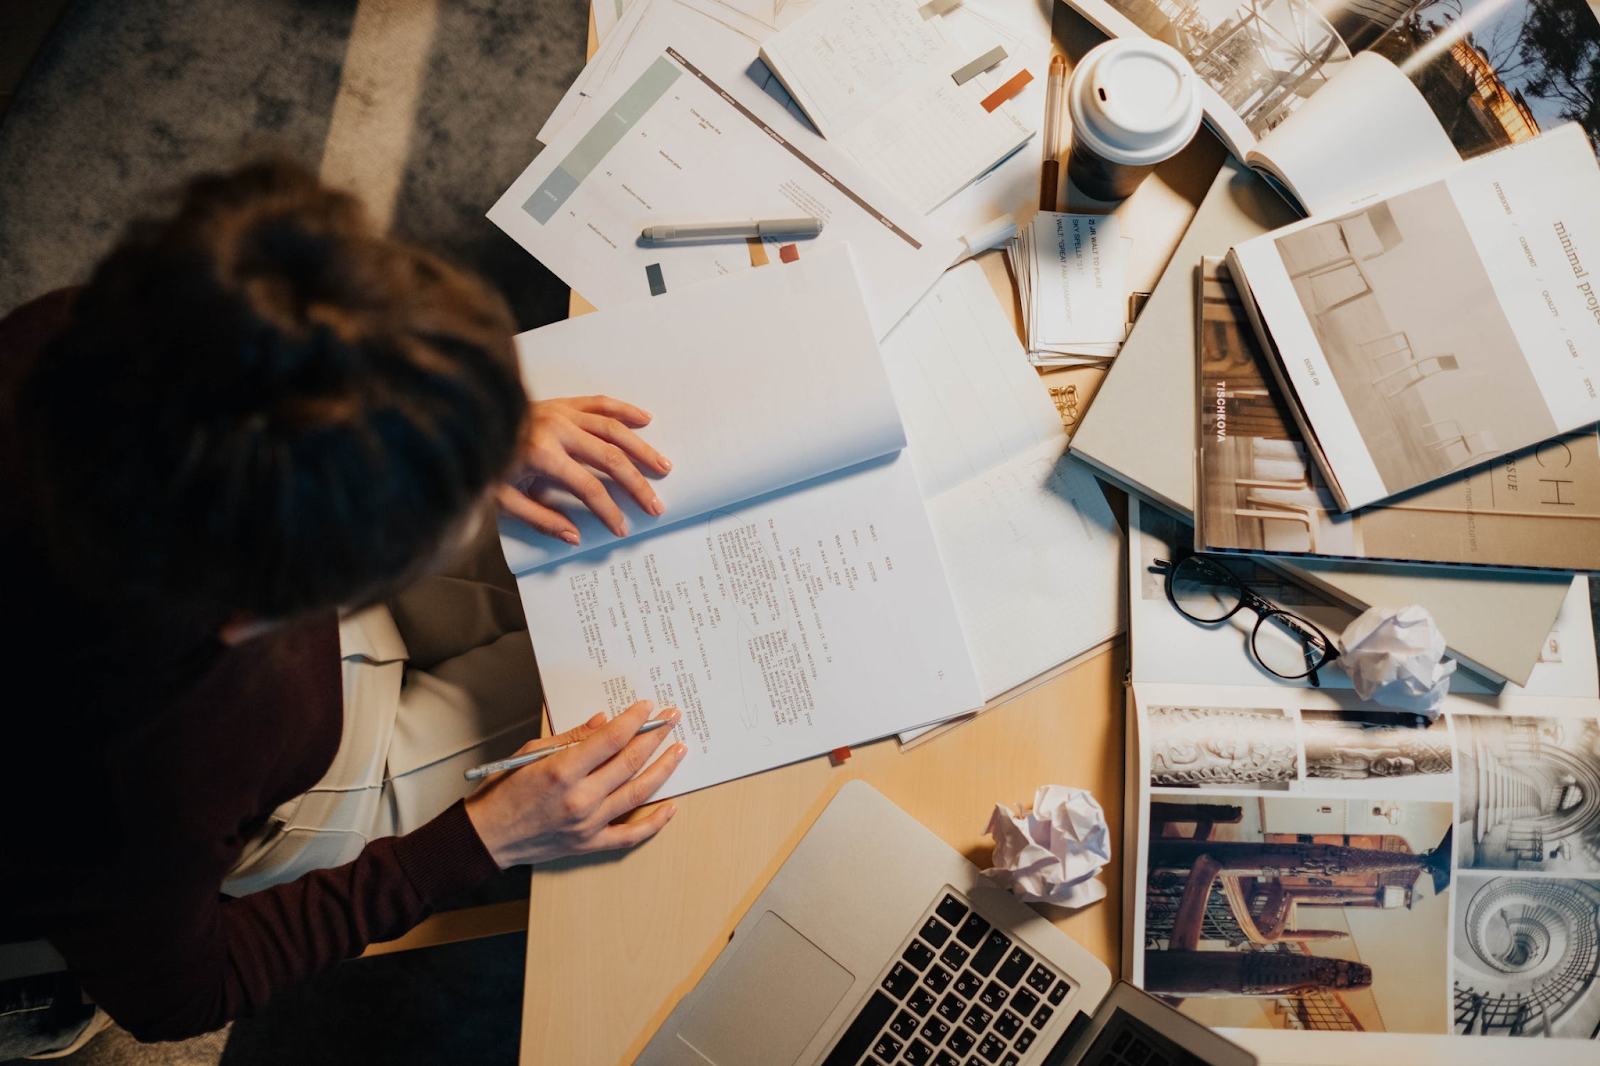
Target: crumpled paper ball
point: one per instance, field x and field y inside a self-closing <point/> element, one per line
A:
<point x="1396" y="658"/>
<point x="1054" y="853"/>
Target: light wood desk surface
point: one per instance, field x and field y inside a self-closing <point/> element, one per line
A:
<point x="615" y="941"/>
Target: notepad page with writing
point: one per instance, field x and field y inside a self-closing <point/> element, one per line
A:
<point x="876" y="77"/>
<point x="1028" y="541"/>
<point x="735" y="373"/>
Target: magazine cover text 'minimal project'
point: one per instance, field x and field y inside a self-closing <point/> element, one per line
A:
<point x="1425" y="334"/>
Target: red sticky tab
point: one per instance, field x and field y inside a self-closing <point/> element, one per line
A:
<point x="788" y="253"/>
<point x="1011" y="88"/>
<point x="839" y="755"/>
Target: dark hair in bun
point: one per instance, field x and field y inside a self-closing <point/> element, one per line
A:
<point x="264" y="405"/>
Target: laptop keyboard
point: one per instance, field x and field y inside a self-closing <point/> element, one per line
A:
<point x="960" y="992"/>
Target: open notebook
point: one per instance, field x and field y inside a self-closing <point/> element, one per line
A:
<point x="791" y="599"/>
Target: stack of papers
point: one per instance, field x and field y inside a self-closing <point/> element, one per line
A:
<point x="1071" y="276"/>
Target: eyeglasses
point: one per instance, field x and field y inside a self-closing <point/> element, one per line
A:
<point x="1207" y="592"/>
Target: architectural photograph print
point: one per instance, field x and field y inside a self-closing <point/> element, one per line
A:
<point x="1291" y="913"/>
<point x="1497" y="72"/>
<point x="1530" y="794"/>
<point x="1525" y="957"/>
<point x="1221" y="747"/>
<point x="1363" y="745"/>
<point x="1263" y="57"/>
<point x="1409" y="324"/>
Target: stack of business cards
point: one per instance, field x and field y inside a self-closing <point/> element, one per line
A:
<point x="1071" y="274"/>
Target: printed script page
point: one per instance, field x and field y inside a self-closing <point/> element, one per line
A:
<point x="782" y="627"/>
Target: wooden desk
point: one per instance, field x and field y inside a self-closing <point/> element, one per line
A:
<point x="615" y="941"/>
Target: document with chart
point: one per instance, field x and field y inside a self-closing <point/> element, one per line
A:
<point x="675" y="145"/>
<point x="791" y="600"/>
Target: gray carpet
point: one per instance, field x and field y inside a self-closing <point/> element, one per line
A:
<point x="125" y="100"/>
<point x="128" y="97"/>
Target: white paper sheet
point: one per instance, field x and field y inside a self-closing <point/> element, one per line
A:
<point x="1029" y="544"/>
<point x="674" y="144"/>
<point x="770" y="348"/>
<point x="782" y="628"/>
<point x="874" y="76"/>
<point x="1388" y="137"/>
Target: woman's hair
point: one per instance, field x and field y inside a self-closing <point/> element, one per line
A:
<point x="264" y="405"/>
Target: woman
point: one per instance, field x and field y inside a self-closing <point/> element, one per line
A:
<point x="258" y="412"/>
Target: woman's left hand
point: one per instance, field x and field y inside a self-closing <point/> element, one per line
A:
<point x="569" y="440"/>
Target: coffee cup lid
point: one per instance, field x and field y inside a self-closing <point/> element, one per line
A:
<point x="1134" y="101"/>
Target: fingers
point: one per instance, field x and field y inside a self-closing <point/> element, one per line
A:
<point x="570" y="475"/>
<point x="605" y="405"/>
<point x="617" y="770"/>
<point x="631" y="834"/>
<point x="606" y="741"/>
<point x="637" y="792"/>
<point x="546" y="520"/>
<point x="596" y="721"/>
<point x="614" y="431"/>
<point x="603" y="455"/>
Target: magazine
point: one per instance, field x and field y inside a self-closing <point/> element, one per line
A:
<point x="1258" y="492"/>
<point x="1334" y="100"/>
<point x="1300" y="862"/>
<point x="1433" y="331"/>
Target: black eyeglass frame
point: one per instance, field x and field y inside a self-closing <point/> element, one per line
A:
<point x="1263" y="608"/>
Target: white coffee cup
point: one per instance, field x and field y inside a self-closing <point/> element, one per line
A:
<point x="1133" y="103"/>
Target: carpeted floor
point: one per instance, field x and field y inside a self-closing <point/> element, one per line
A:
<point x="428" y="109"/>
<point x="128" y="97"/>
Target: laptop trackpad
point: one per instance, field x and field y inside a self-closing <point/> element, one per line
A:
<point x="766" y="1002"/>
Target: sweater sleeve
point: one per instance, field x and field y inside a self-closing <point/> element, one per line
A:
<point x="180" y="961"/>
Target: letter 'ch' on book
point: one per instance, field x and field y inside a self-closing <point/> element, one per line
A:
<point x="1258" y="491"/>
<point x="791" y="599"/>
<point x="896" y="88"/>
<point x="1430" y="332"/>
<point x="1151" y="387"/>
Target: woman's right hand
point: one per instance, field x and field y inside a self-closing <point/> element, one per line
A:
<point x="572" y="802"/>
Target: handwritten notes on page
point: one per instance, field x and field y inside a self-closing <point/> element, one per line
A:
<point x="878" y="78"/>
<point x="792" y="599"/>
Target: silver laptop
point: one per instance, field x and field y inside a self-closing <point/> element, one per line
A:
<point x="877" y="944"/>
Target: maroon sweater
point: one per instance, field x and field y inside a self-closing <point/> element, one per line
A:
<point x="140" y="756"/>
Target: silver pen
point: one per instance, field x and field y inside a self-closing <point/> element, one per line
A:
<point x="534" y="756"/>
<point x="709" y="231"/>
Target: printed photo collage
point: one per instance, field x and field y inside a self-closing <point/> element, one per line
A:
<point x="1317" y="863"/>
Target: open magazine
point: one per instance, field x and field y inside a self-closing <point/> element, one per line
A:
<point x="1428" y="333"/>
<point x="1313" y="874"/>
<point x="1336" y="99"/>
<point x="1257" y="490"/>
